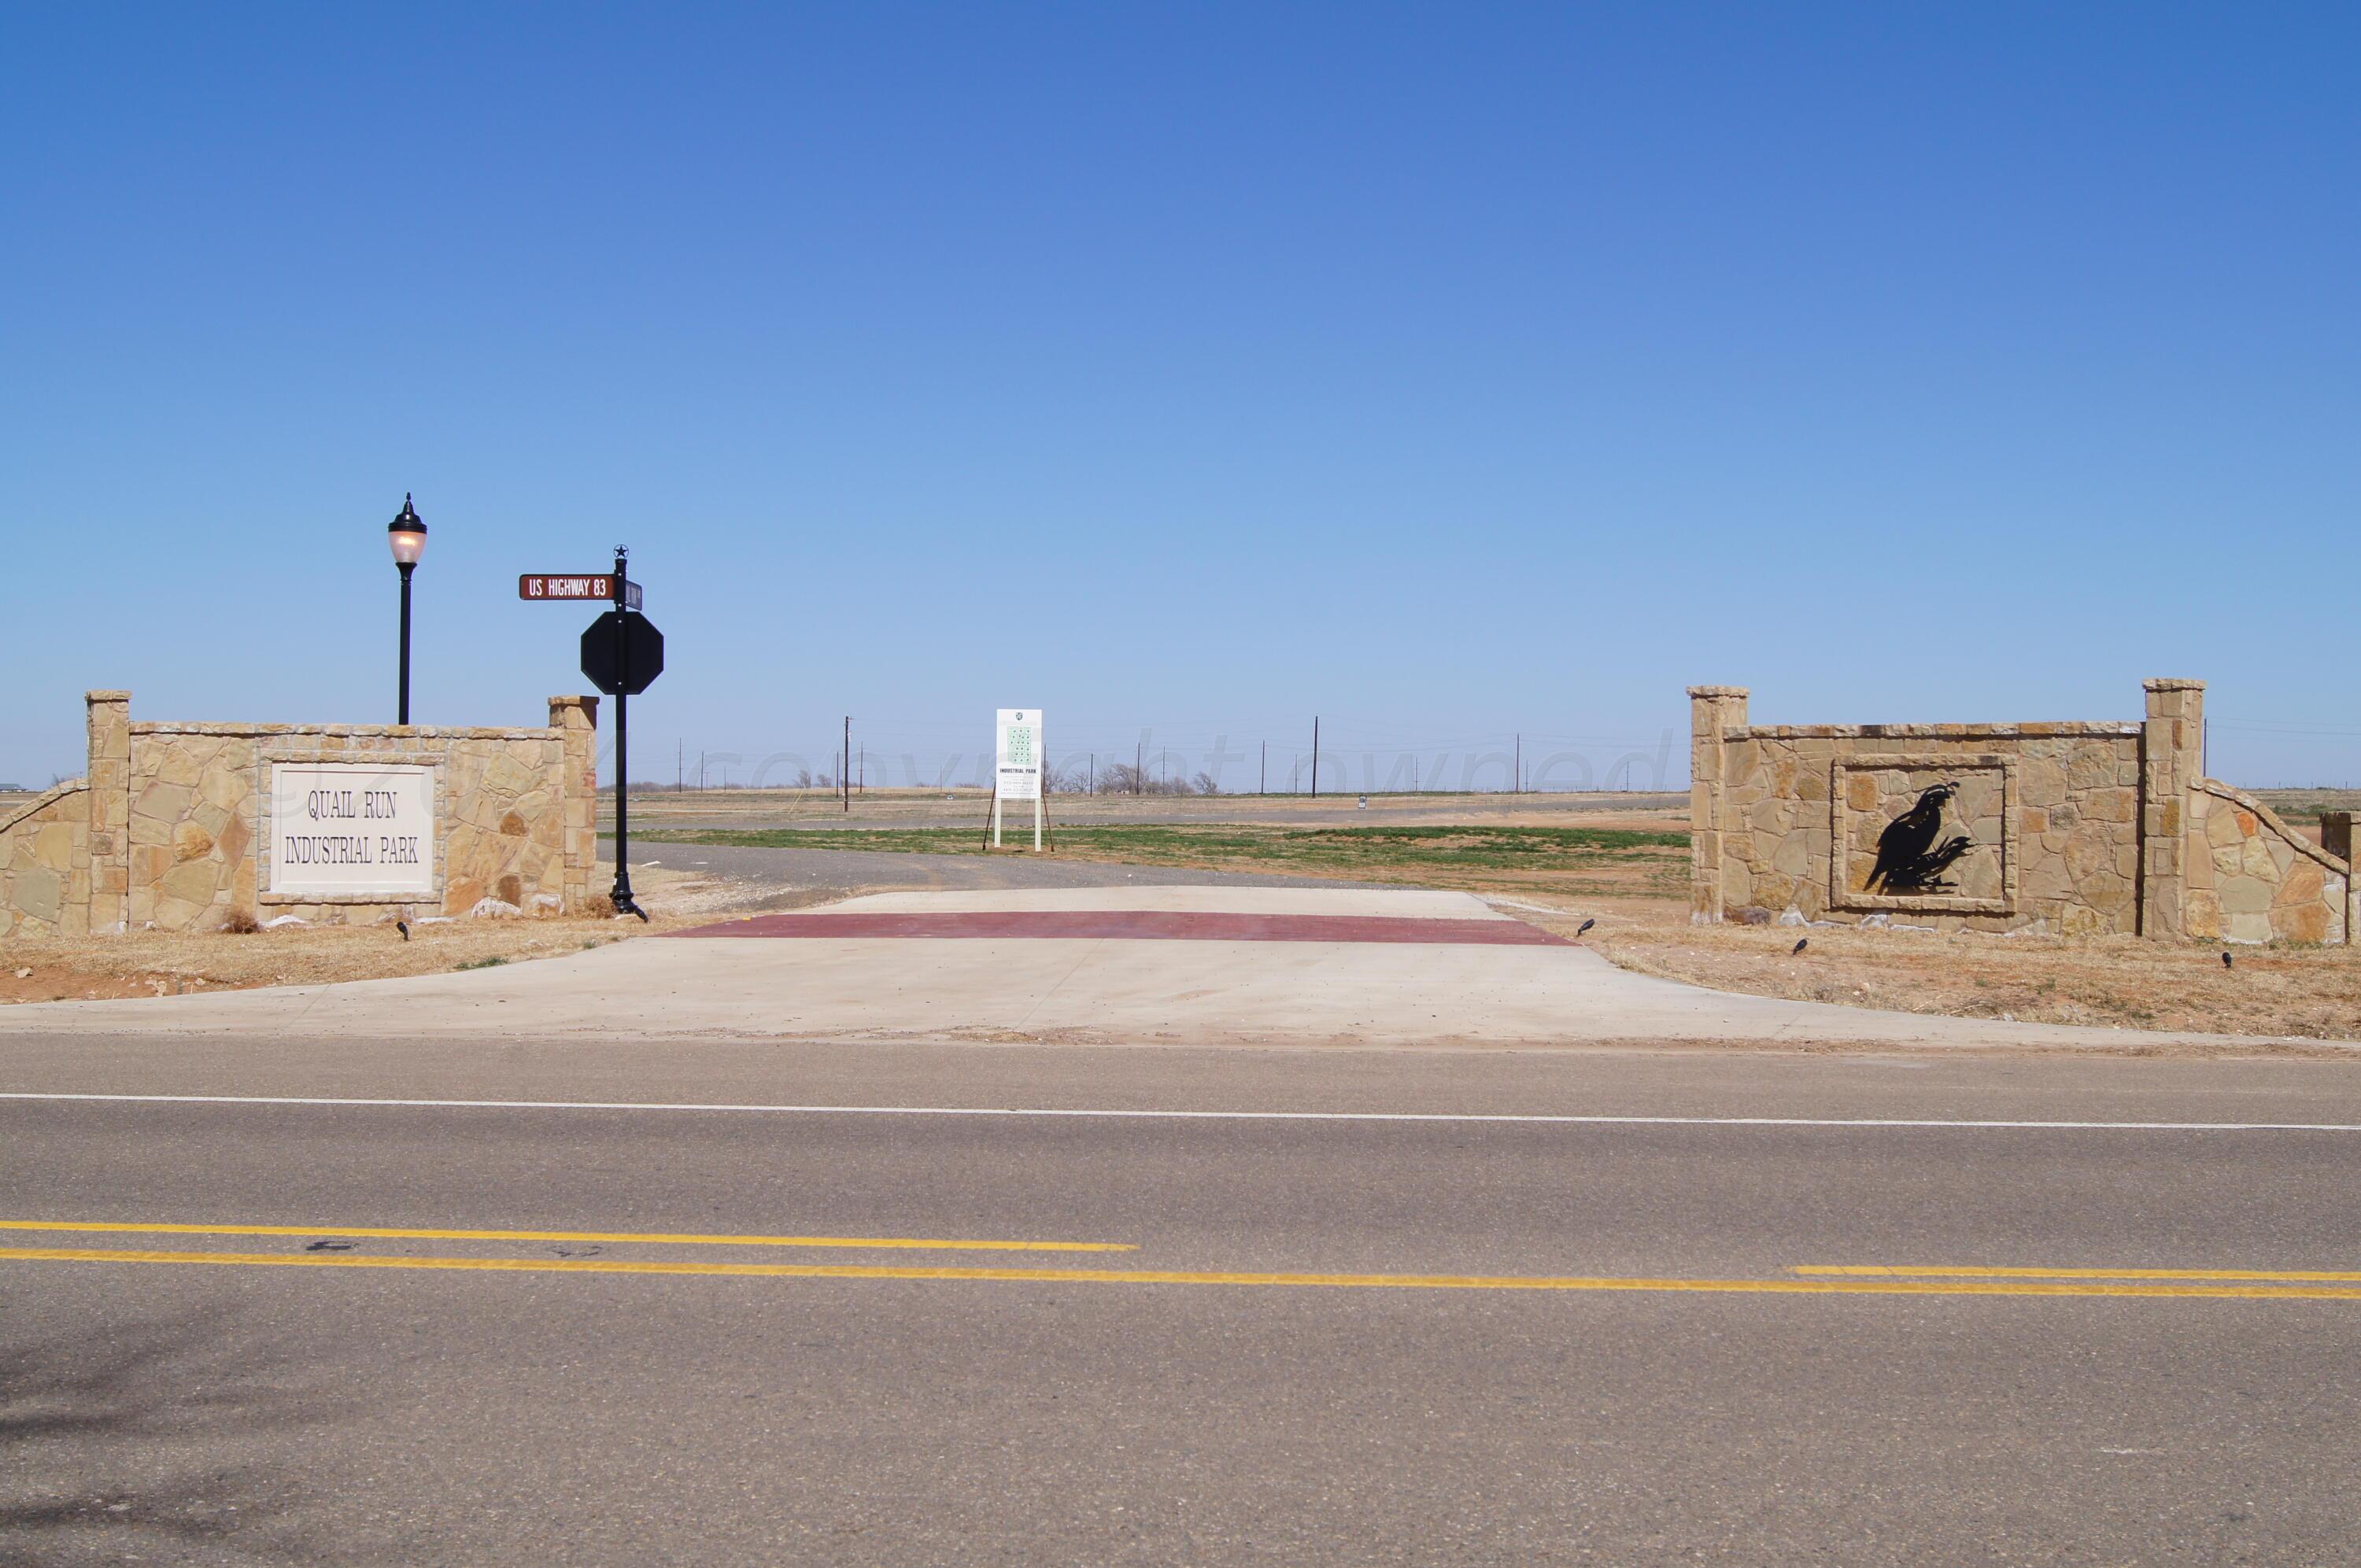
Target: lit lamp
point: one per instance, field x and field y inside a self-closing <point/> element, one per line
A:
<point x="407" y="535"/>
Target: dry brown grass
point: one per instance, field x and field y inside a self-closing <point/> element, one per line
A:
<point x="2107" y="981"/>
<point x="168" y="963"/>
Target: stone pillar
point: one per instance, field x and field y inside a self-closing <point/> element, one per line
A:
<point x="576" y="720"/>
<point x="1712" y="709"/>
<point x="2172" y="758"/>
<point x="109" y="770"/>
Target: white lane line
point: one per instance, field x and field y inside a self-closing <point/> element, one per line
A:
<point x="1201" y="1116"/>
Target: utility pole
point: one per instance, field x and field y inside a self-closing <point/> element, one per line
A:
<point x="844" y="767"/>
<point x="680" y="767"/>
<point x="1315" y="756"/>
<point x="1094" y="772"/>
<point x="1263" y="787"/>
<point x="1519" y="780"/>
<point x="1138" y="761"/>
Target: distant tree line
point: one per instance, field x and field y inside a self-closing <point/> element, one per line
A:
<point x="1122" y="778"/>
<point x="1075" y="778"/>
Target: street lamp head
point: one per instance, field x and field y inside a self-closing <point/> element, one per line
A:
<point x="407" y="535"/>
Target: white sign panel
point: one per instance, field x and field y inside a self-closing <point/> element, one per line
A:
<point x="1019" y="752"/>
<point x="342" y="829"/>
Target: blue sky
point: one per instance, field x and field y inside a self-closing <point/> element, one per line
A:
<point x="1449" y="372"/>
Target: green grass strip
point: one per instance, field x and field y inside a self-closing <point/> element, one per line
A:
<point x="1468" y="847"/>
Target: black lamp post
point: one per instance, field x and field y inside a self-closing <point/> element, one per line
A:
<point x="407" y="535"/>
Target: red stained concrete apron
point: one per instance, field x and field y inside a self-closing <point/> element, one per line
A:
<point x="1141" y="925"/>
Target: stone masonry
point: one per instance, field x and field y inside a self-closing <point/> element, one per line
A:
<point x="2080" y="828"/>
<point x="2251" y="881"/>
<point x="167" y="830"/>
<point x="45" y="863"/>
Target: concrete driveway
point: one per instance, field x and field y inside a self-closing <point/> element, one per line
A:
<point x="1229" y="965"/>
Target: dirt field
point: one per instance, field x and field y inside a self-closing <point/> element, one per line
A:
<point x="2121" y="981"/>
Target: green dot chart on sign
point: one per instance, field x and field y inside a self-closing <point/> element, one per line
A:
<point x="1020" y="750"/>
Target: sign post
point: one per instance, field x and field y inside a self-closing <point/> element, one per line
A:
<point x="1017" y="774"/>
<point x="622" y="654"/>
<point x="620" y="896"/>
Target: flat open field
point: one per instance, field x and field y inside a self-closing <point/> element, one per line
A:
<point x="1625" y="845"/>
<point x="1609" y="856"/>
<point x="968" y="809"/>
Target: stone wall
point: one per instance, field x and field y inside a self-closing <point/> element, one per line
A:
<point x="45" y="863"/>
<point x="2078" y="828"/>
<point x="169" y="829"/>
<point x="2254" y="879"/>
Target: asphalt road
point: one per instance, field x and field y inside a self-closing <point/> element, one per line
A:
<point x="1392" y="1333"/>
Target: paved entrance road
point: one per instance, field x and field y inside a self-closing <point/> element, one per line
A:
<point x="624" y="1389"/>
<point x="1159" y="965"/>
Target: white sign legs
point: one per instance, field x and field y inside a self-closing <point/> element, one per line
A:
<point x="1037" y="823"/>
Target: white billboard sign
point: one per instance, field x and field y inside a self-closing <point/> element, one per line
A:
<point x="1019" y="753"/>
<point x="1018" y="757"/>
<point x="342" y="829"/>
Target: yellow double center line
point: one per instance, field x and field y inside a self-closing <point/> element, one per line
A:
<point x="1953" y="1271"/>
<point x="379" y="1232"/>
<point x="1824" y="1279"/>
<point x="1192" y="1277"/>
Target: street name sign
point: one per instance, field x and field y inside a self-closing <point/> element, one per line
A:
<point x="576" y="587"/>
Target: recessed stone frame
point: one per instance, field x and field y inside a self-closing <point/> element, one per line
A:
<point x="264" y="806"/>
<point x="1842" y="895"/>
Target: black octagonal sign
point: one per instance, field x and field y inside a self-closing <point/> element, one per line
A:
<point x="622" y="653"/>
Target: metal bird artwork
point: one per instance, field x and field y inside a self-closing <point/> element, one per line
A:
<point x="1584" y="927"/>
<point x="1801" y="943"/>
<point x="1909" y="858"/>
<point x="403" y="927"/>
<point x="2225" y="961"/>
